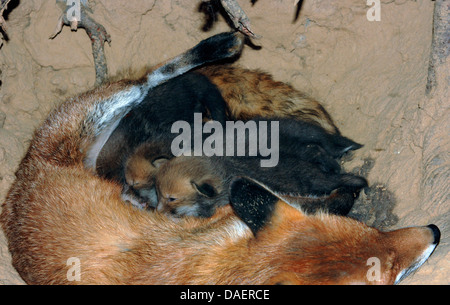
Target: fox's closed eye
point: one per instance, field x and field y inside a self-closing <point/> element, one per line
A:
<point x="171" y="199"/>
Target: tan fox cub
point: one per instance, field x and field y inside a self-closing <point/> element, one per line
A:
<point x="140" y="171"/>
<point x="58" y="210"/>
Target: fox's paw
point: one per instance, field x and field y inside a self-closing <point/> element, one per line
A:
<point x="218" y="47"/>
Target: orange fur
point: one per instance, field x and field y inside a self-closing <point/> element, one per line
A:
<point x="177" y="183"/>
<point x="118" y="244"/>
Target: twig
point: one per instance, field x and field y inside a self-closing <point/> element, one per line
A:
<point x="440" y="47"/>
<point x="3" y="7"/>
<point x="238" y="17"/>
<point x="299" y="5"/>
<point x="98" y="35"/>
<point x="210" y="9"/>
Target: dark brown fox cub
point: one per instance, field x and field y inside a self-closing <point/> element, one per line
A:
<point x="151" y="121"/>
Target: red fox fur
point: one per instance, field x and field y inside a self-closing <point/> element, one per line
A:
<point x="58" y="209"/>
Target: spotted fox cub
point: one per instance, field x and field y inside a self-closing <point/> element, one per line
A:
<point x="58" y="210"/>
<point x="254" y="93"/>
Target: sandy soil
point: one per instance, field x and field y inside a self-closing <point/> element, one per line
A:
<point x="370" y="76"/>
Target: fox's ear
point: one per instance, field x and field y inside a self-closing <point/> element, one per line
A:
<point x="206" y="189"/>
<point x="256" y="204"/>
<point x="160" y="161"/>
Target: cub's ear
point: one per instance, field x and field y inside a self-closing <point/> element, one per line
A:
<point x="205" y="189"/>
<point x="159" y="161"/>
<point x="343" y="145"/>
<point x="257" y="205"/>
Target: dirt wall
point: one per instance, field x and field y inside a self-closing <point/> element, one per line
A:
<point x="370" y="76"/>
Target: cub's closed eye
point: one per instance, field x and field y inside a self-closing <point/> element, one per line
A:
<point x="171" y="199"/>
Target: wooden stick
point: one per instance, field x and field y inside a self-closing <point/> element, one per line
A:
<point x="3" y="7"/>
<point x="98" y="35"/>
<point x="238" y="17"/>
<point x="440" y="47"/>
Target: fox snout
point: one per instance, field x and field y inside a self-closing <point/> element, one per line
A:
<point x="436" y="234"/>
<point x="415" y="246"/>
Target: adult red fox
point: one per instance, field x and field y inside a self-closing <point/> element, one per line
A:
<point x="58" y="212"/>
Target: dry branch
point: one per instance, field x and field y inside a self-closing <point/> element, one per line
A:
<point x="440" y="47"/>
<point x="98" y="35"/>
<point x="3" y="7"/>
<point x="233" y="11"/>
<point x="238" y="17"/>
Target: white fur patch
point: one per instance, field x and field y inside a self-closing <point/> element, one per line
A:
<point x="235" y="230"/>
<point x="119" y="102"/>
<point x="132" y="201"/>
<point x="110" y="113"/>
<point x="419" y="262"/>
<point x="157" y="77"/>
<point x="187" y="210"/>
